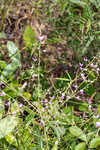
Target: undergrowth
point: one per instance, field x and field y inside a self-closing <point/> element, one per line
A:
<point x="56" y="108"/>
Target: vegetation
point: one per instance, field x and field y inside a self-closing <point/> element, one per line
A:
<point x="49" y="75"/>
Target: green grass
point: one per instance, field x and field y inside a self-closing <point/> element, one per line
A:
<point x="52" y="108"/>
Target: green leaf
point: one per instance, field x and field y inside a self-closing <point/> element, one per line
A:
<point x="78" y="2"/>
<point x="9" y="69"/>
<point x="14" y="53"/>
<point x="80" y="146"/>
<point x="91" y="135"/>
<point x="95" y="142"/>
<point x="15" y="107"/>
<point x="11" y="139"/>
<point x="84" y="51"/>
<point x="56" y="130"/>
<point x="29" y="37"/>
<point x="98" y="108"/>
<point x="84" y="107"/>
<point x="55" y="146"/>
<point x="77" y="132"/>
<point x="29" y="118"/>
<point x="2" y="35"/>
<point x="27" y="95"/>
<point x="91" y="75"/>
<point x="15" y="60"/>
<point x="2" y="64"/>
<point x="12" y="49"/>
<point x="96" y="3"/>
<point x="63" y="7"/>
<point x="7" y="125"/>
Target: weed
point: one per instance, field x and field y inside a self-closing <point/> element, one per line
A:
<point x="54" y="108"/>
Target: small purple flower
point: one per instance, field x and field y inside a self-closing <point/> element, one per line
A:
<point x="85" y="59"/>
<point x="83" y="76"/>
<point x="90" y="107"/>
<point x="52" y="97"/>
<point x="80" y="64"/>
<point x="44" y="101"/>
<point x="97" y="116"/>
<point x="20" y="105"/>
<point x="75" y="86"/>
<point x="63" y="95"/>
<point x="87" y="99"/>
<point x="97" y="70"/>
<point x="0" y="83"/>
<point x="92" y="65"/>
<point x="41" y="38"/>
<point x="82" y="91"/>
<point x="46" y="106"/>
<point x="50" y="103"/>
<point x="78" y="98"/>
<point x="97" y="124"/>
<point x="14" y="113"/>
<point x="7" y="104"/>
<point x="81" y="68"/>
<point x="2" y="93"/>
<point x="34" y="75"/>
<point x="41" y="122"/>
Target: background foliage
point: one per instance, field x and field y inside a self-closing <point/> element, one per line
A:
<point x="49" y="75"/>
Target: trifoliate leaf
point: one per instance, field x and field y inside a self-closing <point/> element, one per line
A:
<point x="7" y="125"/>
<point x="80" y="146"/>
<point x="77" y="132"/>
<point x="95" y="142"/>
